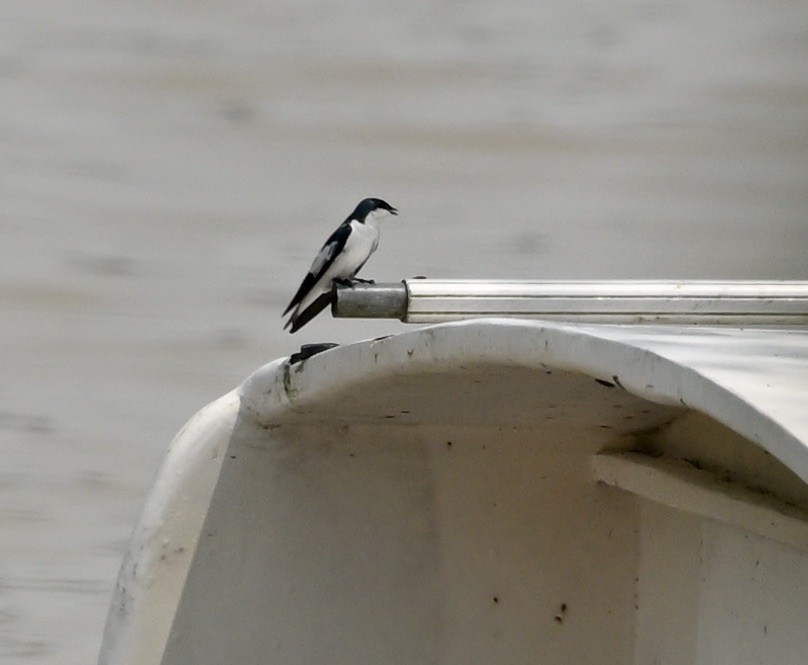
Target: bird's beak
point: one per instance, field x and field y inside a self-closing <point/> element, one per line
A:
<point x="393" y="211"/>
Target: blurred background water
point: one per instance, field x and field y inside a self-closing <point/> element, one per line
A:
<point x="168" y="170"/>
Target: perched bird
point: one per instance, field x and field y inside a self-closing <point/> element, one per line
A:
<point x="341" y="257"/>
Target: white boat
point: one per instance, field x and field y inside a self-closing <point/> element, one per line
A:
<point x="493" y="491"/>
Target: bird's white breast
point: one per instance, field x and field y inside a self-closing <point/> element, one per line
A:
<point x="360" y="245"/>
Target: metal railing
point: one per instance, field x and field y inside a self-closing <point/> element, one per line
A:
<point x="662" y="301"/>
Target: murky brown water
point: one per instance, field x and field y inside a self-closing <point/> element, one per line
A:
<point x="169" y="168"/>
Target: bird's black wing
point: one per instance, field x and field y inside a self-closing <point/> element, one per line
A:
<point x="297" y="322"/>
<point x="329" y="251"/>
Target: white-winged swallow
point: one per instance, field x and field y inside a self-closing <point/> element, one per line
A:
<point x="338" y="261"/>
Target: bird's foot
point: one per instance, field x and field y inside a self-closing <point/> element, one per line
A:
<point x="342" y="281"/>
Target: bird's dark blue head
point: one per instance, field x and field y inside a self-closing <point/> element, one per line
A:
<point x="371" y="206"/>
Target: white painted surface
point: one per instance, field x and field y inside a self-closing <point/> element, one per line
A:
<point x="163" y="543"/>
<point x="429" y="498"/>
<point x="667" y="586"/>
<point x="709" y="592"/>
<point x="678" y="484"/>
<point x="752" y="603"/>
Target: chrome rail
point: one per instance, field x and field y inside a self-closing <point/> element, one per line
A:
<point x="628" y="301"/>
